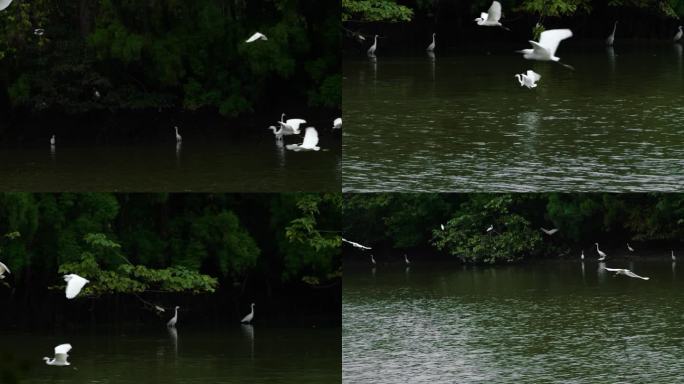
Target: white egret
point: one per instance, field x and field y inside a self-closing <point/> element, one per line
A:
<point x="39" y="31"/>
<point x="611" y="38"/>
<point x="603" y="255"/>
<point x="356" y="245"/>
<point x="406" y="260"/>
<point x="159" y="309"/>
<point x="310" y="142"/>
<point x="545" y="49"/>
<point x="178" y="136"/>
<point x="371" y="50"/>
<point x="255" y="37"/>
<point x="96" y="94"/>
<point x="61" y="355"/>
<point x="291" y="126"/>
<point x="373" y="259"/>
<point x="53" y="140"/>
<point x="431" y="47"/>
<point x="174" y="319"/>
<point x="528" y="79"/>
<point x="441" y="226"/>
<point x="491" y="17"/>
<point x="672" y="255"/>
<point x="678" y="35"/>
<point x="4" y="4"/>
<point x="3" y="269"/>
<point x="337" y="124"/>
<point x="491" y="228"/>
<point x="629" y="248"/>
<point x="249" y="317"/>
<point x="74" y="285"/>
<point x="277" y="133"/>
<point x="582" y="255"/>
<point x="626" y="272"/>
<point x="549" y="232"/>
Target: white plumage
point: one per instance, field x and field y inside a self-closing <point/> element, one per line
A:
<point x="371" y="50"/>
<point x="678" y="35"/>
<point x="53" y="140"/>
<point x="431" y="47"/>
<point x="357" y="245"/>
<point x="291" y="126"/>
<point x="545" y="49"/>
<point x="310" y="142"/>
<point x="74" y="285"/>
<point x="3" y="269"/>
<point x="4" y="4"/>
<point x="528" y="79"/>
<point x="249" y="317"/>
<point x="337" y="124"/>
<point x="174" y="319"/>
<point x="255" y="37"/>
<point x="491" y="17"/>
<point x="626" y="272"/>
<point x="611" y="38"/>
<point x="549" y="232"/>
<point x="603" y="255"/>
<point x="61" y="355"/>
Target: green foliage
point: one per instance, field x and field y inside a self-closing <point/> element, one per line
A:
<point x="375" y="10"/>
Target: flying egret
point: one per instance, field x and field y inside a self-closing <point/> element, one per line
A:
<point x="337" y="124"/>
<point x="3" y="269"/>
<point x="356" y="245"/>
<point x="603" y="255"/>
<point x="677" y="36"/>
<point x="431" y="47"/>
<point x="277" y="133"/>
<point x="174" y="319"/>
<point x="178" y="136"/>
<point x="53" y="140"/>
<point x="249" y="317"/>
<point x="629" y="248"/>
<point x="441" y="226"/>
<point x="491" y="17"/>
<point x="159" y="309"/>
<point x="626" y="272"/>
<point x="545" y="49"/>
<point x="611" y="38"/>
<point x="406" y="260"/>
<point x="373" y="259"/>
<point x="291" y="126"/>
<point x="4" y="4"/>
<point x="61" y="355"/>
<point x="74" y="285"/>
<point x="549" y="232"/>
<point x="39" y="31"/>
<point x="672" y="255"/>
<point x="582" y="256"/>
<point x="255" y="37"/>
<point x="310" y="142"/>
<point x="371" y="50"/>
<point x="528" y="79"/>
<point x="491" y="228"/>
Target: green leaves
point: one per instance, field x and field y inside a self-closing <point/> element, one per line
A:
<point x="375" y="10"/>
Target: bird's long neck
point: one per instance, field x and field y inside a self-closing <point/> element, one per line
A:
<point x="282" y="117"/>
<point x="433" y="38"/>
<point x="519" y="77"/>
<point x="375" y="41"/>
<point x="614" y="27"/>
<point x="175" y="314"/>
<point x="597" y="249"/>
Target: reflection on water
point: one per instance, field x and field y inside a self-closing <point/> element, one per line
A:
<point x="613" y="124"/>
<point x="544" y="322"/>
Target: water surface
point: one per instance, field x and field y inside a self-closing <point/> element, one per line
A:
<point x="461" y="122"/>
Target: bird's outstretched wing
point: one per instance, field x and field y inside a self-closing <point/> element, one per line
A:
<point x="4" y="4"/>
<point x="632" y="274"/>
<point x="256" y="37"/>
<point x="3" y="268"/>
<point x="62" y="352"/>
<point x="310" y="138"/>
<point x="483" y="16"/>
<point x="357" y="245"/>
<point x="494" y="12"/>
<point x="74" y="285"/>
<point x="551" y="39"/>
<point x="534" y="76"/>
<point x="613" y="269"/>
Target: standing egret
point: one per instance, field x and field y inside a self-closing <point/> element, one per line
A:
<point x="249" y="317"/>
<point x="611" y="38"/>
<point x="174" y="319"/>
<point x="491" y="17"/>
<point x="61" y="355"/>
<point x="672" y="255"/>
<point x="373" y="260"/>
<point x="582" y="255"/>
<point x="626" y="272"/>
<point x="431" y="47"/>
<point x="528" y="79"/>
<point x="178" y="136"/>
<point x="310" y="142"/>
<point x="277" y="133"/>
<point x="545" y="49"/>
<point x="53" y="140"/>
<point x="549" y="232"/>
<point x="603" y="255"/>
<point x="356" y="245"/>
<point x="406" y="260"/>
<point x="3" y="269"/>
<point x="255" y="37"/>
<point x="337" y="124"/>
<point x="4" y="4"/>
<point x="371" y="50"/>
<point x="74" y="285"/>
<point x="491" y="228"/>
<point x="678" y="35"/>
<point x="629" y="248"/>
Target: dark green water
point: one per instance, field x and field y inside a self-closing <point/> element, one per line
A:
<point x="550" y="322"/>
<point x="461" y="121"/>
<point x="241" y="354"/>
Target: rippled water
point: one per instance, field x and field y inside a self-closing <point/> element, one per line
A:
<point x="463" y="123"/>
<point x="242" y="354"/>
<point x="541" y="323"/>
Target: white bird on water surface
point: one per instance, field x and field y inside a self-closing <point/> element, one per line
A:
<point x="611" y="38"/>
<point x="528" y="79"/>
<point x="337" y="124"/>
<point x="4" y="4"/>
<point x="373" y="260"/>
<point x="61" y="355"/>
<point x="371" y="50"/>
<point x="53" y="140"/>
<point x="406" y="260"/>
<point x="491" y="17"/>
<point x="545" y="49"/>
<point x="277" y="133"/>
<point x="678" y="35"/>
<point x="626" y="272"/>
<point x="255" y="37"/>
<point x="310" y="142"/>
<point x="672" y="255"/>
<point x="249" y="317"/>
<point x="354" y="244"/>
<point x="629" y="248"/>
<point x="603" y="255"/>
<point x="3" y="269"/>
<point x="178" y="136"/>
<point x="549" y="232"/>
<point x="74" y="285"/>
<point x="174" y="319"/>
<point x="582" y="256"/>
<point x="431" y="47"/>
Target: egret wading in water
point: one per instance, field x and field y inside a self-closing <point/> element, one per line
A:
<point x="611" y="38"/>
<point x="61" y="355"/>
<point x="582" y="255"/>
<point x="310" y="142"/>
<point x="629" y="248"/>
<point x="603" y="255"/>
<point x="678" y="36"/>
<point x="672" y="255"/>
<point x="371" y="50"/>
<point x="337" y="124"/>
<point x="528" y="79"/>
<point x="491" y="17"/>
<point x="549" y="232"/>
<point x="74" y="285"/>
<point x="277" y="133"/>
<point x="255" y="37"/>
<point x="4" y="4"/>
<point x="406" y="260"/>
<point x="431" y="47"/>
<point x="545" y="49"/>
<point x="354" y="244"/>
<point x="178" y="136"/>
<point x="53" y="140"/>
<point x="249" y="317"/>
<point x="174" y="319"/>
<point x="626" y="272"/>
<point x="3" y="270"/>
<point x="373" y="259"/>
